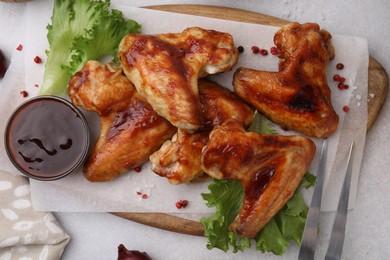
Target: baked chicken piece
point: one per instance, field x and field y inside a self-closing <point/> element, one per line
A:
<point x="179" y="159"/>
<point x="165" y="69"/>
<point x="269" y="167"/>
<point x="298" y="96"/>
<point x="130" y="129"/>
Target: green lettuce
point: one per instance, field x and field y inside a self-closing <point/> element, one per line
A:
<point x="81" y="30"/>
<point x="227" y="197"/>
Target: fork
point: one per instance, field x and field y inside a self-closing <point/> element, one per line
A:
<point x="309" y="238"/>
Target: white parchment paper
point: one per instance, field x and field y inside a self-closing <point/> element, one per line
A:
<point x="76" y="194"/>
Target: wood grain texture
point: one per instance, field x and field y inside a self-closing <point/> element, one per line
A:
<point x="378" y="83"/>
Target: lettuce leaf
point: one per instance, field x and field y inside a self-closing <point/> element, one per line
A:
<point x="80" y="30"/>
<point x="227" y="197"/>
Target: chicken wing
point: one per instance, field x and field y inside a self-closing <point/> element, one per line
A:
<point x="165" y="69"/>
<point x="298" y="96"/>
<point x="179" y="159"/>
<point x="130" y="129"/>
<point x="269" y="167"/>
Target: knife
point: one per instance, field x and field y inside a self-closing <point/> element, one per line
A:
<point x="309" y="237"/>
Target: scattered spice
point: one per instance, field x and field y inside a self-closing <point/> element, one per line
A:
<point x="181" y="204"/>
<point x="20" y="47"/>
<point x="24" y="93"/>
<point x="339" y="66"/>
<point x="255" y="49"/>
<point x="274" y="50"/>
<point x="240" y="49"/>
<point x="37" y="60"/>
<point x="346" y="109"/>
<point x="342" y="79"/>
<point x="36" y="85"/>
<point x="138" y="169"/>
<point x="145" y="196"/>
<point x="139" y="193"/>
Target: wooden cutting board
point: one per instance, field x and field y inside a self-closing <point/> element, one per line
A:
<point x="378" y="84"/>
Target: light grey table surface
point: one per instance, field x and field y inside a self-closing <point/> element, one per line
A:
<point x="97" y="235"/>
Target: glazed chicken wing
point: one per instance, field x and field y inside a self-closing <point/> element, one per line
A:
<point x="165" y="69"/>
<point x="298" y="96"/>
<point x="130" y="129"/>
<point x="179" y="159"/>
<point x="269" y="167"/>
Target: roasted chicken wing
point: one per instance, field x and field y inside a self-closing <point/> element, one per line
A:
<point x="269" y="167"/>
<point x="165" y="69"/>
<point x="179" y="159"/>
<point x="130" y="129"/>
<point x="298" y="96"/>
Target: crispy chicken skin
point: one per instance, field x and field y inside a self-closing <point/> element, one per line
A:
<point x="165" y="69"/>
<point x="179" y="159"/>
<point x="130" y="129"/>
<point x="298" y="96"/>
<point x="269" y="167"/>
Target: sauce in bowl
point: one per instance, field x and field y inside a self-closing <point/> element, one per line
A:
<point x="47" y="138"/>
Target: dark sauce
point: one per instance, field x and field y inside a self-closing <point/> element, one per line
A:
<point x="47" y="138"/>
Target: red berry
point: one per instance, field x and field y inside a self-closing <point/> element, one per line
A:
<point x="274" y="50"/>
<point x="24" y="93"/>
<point x="255" y="49"/>
<point x="342" y="79"/>
<point x="3" y="64"/>
<point x="336" y="78"/>
<point x="181" y="204"/>
<point x="346" y="109"/>
<point x="184" y="203"/>
<point x="20" y="47"/>
<point x="263" y="52"/>
<point x="341" y="86"/>
<point x="339" y="66"/>
<point x="37" y="60"/>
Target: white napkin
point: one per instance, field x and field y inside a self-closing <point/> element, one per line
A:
<point x="25" y="233"/>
